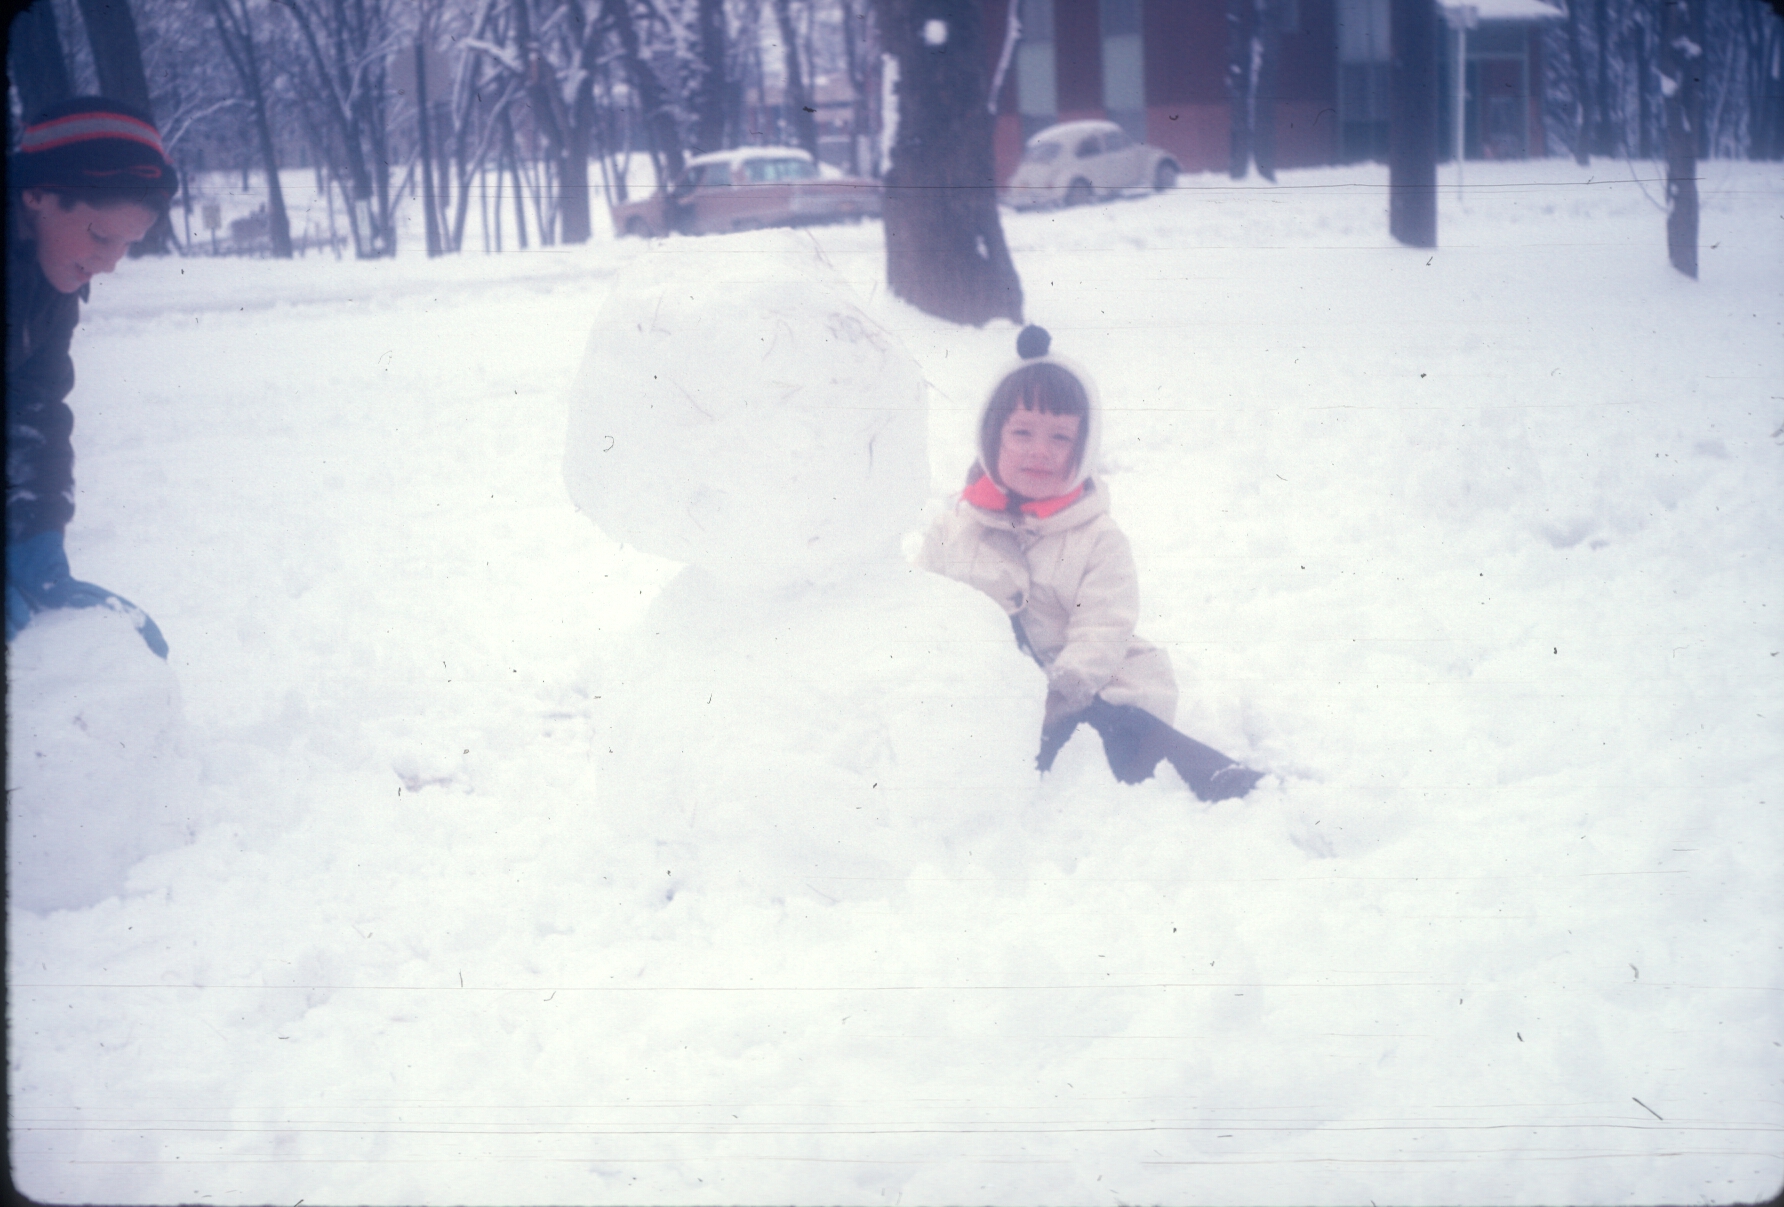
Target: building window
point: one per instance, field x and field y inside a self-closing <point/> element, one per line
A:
<point x="1037" y="85"/>
<point x="1363" y="68"/>
<point x="1124" y="66"/>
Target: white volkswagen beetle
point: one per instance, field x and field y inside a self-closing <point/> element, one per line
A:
<point x="1076" y="162"/>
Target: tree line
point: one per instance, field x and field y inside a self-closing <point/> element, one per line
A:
<point x="524" y="104"/>
<point x="520" y="110"/>
<point x="1605" y="79"/>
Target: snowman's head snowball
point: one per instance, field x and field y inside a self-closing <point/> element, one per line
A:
<point x="737" y="411"/>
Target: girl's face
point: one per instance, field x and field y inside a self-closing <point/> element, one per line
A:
<point x="75" y="245"/>
<point x="1034" y="455"/>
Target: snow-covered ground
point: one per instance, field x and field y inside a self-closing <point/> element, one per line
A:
<point x="1480" y="551"/>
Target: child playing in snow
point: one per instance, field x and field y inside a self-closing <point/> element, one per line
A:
<point x="1032" y="530"/>
<point x="89" y="178"/>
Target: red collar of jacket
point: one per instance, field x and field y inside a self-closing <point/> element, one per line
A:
<point x="983" y="492"/>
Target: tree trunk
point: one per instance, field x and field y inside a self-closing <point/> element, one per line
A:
<point x="547" y="110"/>
<point x="794" y="100"/>
<point x="424" y="141"/>
<point x="1767" y="138"/>
<point x="1239" y="17"/>
<point x="1412" y="123"/>
<point x="659" y="121"/>
<point x="117" y="52"/>
<point x="1582" y="91"/>
<point x="575" y="204"/>
<point x="709" y="99"/>
<point x="1644" y="90"/>
<point x="1683" y="59"/>
<point x="35" y="60"/>
<point x="350" y="74"/>
<point x="236" y="32"/>
<point x="371" y="121"/>
<point x="512" y="156"/>
<point x="945" y="250"/>
<point x="1604" y="141"/>
<point x="856" y="60"/>
<point x="1265" y="40"/>
<point x="277" y="220"/>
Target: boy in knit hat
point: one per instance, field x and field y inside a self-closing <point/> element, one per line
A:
<point x="1032" y="530"/>
<point x="88" y="179"/>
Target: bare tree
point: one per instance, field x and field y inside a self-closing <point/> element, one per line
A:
<point x="1763" y="33"/>
<point x="659" y="114"/>
<point x="711" y="93"/>
<point x="858" y="39"/>
<point x="348" y="43"/>
<point x="1581" y="109"/>
<point x="1604" y="141"/>
<point x="1412" y="123"/>
<point x="234" y="21"/>
<point x="35" y="60"/>
<point x="1683" y="48"/>
<point x="795" y="100"/>
<point x="945" y="250"/>
<point x="1253" y="35"/>
<point x="117" y="51"/>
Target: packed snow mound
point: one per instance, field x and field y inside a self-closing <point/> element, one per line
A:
<point x="736" y="410"/>
<point x="95" y="782"/>
<point x="817" y="728"/>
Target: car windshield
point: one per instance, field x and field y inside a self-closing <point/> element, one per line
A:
<point x="769" y="171"/>
<point x="1041" y="152"/>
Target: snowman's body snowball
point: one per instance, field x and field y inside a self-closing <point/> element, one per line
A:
<point x="740" y="413"/>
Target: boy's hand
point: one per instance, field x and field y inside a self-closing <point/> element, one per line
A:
<point x="37" y="580"/>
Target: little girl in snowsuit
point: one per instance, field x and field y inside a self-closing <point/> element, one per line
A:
<point x="1032" y="530"/>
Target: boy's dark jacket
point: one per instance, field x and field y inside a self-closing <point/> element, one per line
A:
<point x="40" y="322"/>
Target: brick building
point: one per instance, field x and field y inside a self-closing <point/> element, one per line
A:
<point x="1158" y="68"/>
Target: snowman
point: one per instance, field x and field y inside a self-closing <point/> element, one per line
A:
<point x="799" y="683"/>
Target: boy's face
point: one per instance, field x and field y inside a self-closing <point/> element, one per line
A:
<point x="75" y="245"/>
<point x="1035" y="454"/>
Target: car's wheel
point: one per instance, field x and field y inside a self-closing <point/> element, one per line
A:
<point x="638" y="228"/>
<point x="1078" y="192"/>
<point x="1164" y="176"/>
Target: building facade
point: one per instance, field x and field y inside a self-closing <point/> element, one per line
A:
<point x="1159" y="69"/>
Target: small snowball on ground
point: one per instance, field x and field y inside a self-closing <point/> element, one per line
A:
<point x="95" y="781"/>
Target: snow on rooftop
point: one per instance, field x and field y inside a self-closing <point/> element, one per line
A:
<point x="1509" y="10"/>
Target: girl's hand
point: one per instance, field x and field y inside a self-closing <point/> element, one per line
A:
<point x="1075" y="692"/>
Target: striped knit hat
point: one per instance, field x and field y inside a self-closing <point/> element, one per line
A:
<point x="91" y="142"/>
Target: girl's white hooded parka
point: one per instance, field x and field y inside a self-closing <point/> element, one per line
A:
<point x="1068" y="578"/>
